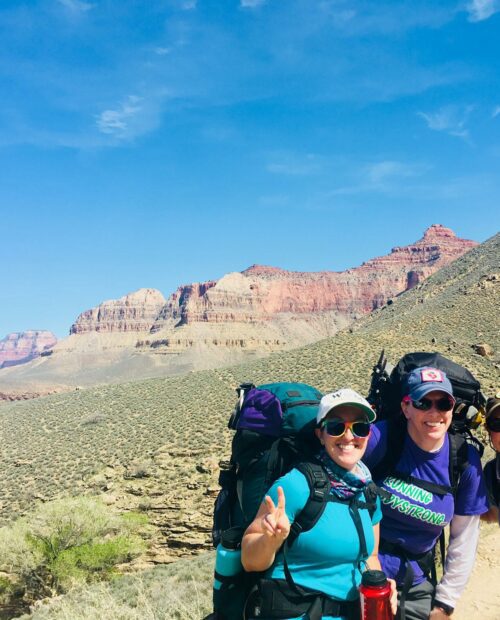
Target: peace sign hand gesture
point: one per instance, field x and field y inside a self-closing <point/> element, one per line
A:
<point x="274" y="521"/>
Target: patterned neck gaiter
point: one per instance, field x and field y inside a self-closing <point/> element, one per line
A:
<point x="345" y="484"/>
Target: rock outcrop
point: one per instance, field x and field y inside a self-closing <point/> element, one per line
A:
<point x="261" y="293"/>
<point x="21" y="347"/>
<point x="242" y="316"/>
<point x="135" y="312"/>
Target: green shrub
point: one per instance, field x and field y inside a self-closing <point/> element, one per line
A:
<point x="94" y="561"/>
<point x="70" y="522"/>
<point x="65" y="542"/>
<point x="6" y="589"/>
<point x="179" y="591"/>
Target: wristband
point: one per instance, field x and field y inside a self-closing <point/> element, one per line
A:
<point x="448" y="609"/>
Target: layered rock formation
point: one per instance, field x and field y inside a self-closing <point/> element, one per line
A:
<point x="21" y="347"/>
<point x="227" y="321"/>
<point x="135" y="312"/>
<point x="261" y="293"/>
<point x="248" y="309"/>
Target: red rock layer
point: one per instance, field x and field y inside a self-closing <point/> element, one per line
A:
<point x="260" y="292"/>
<point x="22" y="347"/>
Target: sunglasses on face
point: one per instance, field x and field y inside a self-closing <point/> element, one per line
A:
<point x="336" y="427"/>
<point x="493" y="424"/>
<point x="441" y="404"/>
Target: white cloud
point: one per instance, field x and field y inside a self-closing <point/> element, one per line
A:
<point x="479" y="10"/>
<point x="386" y="176"/>
<point x="251" y="4"/>
<point x="117" y="122"/>
<point x="294" y="165"/>
<point x="451" y="119"/>
<point x="495" y="112"/>
<point x="162" y="51"/>
<point x="76" y="6"/>
<point x="189" y="5"/>
<point x="382" y="171"/>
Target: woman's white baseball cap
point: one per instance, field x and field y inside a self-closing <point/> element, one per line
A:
<point x="345" y="396"/>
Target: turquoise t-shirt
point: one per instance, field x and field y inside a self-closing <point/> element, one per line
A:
<point x="326" y="557"/>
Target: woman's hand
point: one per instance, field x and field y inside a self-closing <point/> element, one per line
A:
<point x="265" y="535"/>
<point x="394" y="596"/>
<point x="274" y="521"/>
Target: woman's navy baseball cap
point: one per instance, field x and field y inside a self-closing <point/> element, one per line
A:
<point x="421" y="381"/>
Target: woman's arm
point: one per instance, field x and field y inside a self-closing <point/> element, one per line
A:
<point x="464" y="536"/>
<point x="373" y="562"/>
<point x="265" y="535"/>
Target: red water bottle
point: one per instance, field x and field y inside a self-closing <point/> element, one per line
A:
<point x="375" y="594"/>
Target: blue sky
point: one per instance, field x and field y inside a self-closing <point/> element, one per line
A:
<point x="152" y="143"/>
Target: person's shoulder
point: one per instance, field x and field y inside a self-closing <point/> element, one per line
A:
<point x="296" y="490"/>
<point x="294" y="480"/>
<point x="379" y="432"/>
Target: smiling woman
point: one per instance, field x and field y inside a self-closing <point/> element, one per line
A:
<point x="423" y="499"/>
<point x="326" y="560"/>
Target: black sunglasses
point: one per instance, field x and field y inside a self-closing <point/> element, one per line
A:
<point x="493" y="424"/>
<point x="336" y="428"/>
<point x="426" y="404"/>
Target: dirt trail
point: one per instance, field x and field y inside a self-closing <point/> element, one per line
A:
<point x="481" y="599"/>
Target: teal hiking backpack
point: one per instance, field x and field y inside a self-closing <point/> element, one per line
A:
<point x="274" y="426"/>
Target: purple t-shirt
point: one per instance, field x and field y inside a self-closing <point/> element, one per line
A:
<point x="412" y="517"/>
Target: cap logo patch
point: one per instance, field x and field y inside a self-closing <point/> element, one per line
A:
<point x="431" y="374"/>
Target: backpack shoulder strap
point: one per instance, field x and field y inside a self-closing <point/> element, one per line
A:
<point x="459" y="447"/>
<point x="319" y="486"/>
<point x="372" y="491"/>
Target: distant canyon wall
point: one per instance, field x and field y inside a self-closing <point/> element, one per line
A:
<point x="261" y="295"/>
<point x="21" y="347"/>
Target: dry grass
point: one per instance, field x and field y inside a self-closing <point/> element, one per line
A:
<point x="181" y="592"/>
<point x="154" y="444"/>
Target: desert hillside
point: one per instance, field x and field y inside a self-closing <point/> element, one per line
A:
<point x="154" y="445"/>
<point x="95" y="439"/>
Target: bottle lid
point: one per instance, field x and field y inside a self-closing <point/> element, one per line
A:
<point x="231" y="538"/>
<point x="374" y="578"/>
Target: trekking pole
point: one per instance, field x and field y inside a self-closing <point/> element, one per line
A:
<point x="378" y="380"/>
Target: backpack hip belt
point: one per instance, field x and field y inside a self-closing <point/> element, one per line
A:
<point x="277" y="600"/>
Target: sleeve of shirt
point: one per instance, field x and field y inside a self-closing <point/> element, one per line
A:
<point x="464" y="536"/>
<point x="377" y="445"/>
<point x="296" y="490"/>
<point x="472" y="497"/>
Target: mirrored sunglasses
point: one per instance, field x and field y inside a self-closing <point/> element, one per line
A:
<point x="442" y="404"/>
<point x="493" y="424"/>
<point x="337" y="428"/>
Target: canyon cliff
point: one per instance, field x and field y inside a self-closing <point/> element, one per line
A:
<point x="241" y="316"/>
<point x="135" y="312"/>
<point x="261" y="293"/>
<point x="21" y="347"/>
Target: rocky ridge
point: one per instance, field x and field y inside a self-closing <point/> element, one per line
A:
<point x="134" y="312"/>
<point x="240" y="317"/>
<point x="261" y="293"/>
<point x="21" y="347"/>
